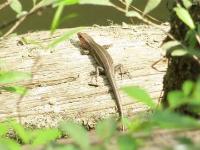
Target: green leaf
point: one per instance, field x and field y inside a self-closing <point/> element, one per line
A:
<point x="9" y="144"/>
<point x="96" y="2"/>
<point x="15" y="89"/>
<point x="65" y="36"/>
<point x="170" y="44"/>
<point x="171" y="120"/>
<point x="20" y="131"/>
<point x="44" y="3"/>
<point x="176" y="98"/>
<point x="191" y="38"/>
<point x="13" y="76"/>
<point x="56" y="18"/>
<point x="184" y="16"/>
<point x="196" y="93"/>
<point x="176" y="49"/>
<point x="3" y="129"/>
<point x="188" y="87"/>
<point x="16" y="6"/>
<point x="140" y="95"/>
<point x="105" y="129"/>
<point x="133" y="14"/>
<point x="126" y="142"/>
<point x="66" y="2"/>
<point x="151" y="4"/>
<point x="77" y="133"/>
<point x="179" y="52"/>
<point x="187" y="3"/>
<point x="44" y="136"/>
<point x="22" y="13"/>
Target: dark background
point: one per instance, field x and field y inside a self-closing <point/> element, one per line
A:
<point x="87" y="15"/>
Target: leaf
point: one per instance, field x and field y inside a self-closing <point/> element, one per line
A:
<point x="96" y="2"/>
<point x="20" y="131"/>
<point x="190" y="38"/>
<point x="22" y="13"/>
<point x="9" y="144"/>
<point x="105" y="129"/>
<point x="16" y="6"/>
<point x="171" y="120"/>
<point x="16" y="89"/>
<point x="196" y="93"/>
<point x="126" y="142"/>
<point x="3" y="129"/>
<point x="44" y="136"/>
<point x="168" y="45"/>
<point x="179" y="52"/>
<point x="13" y="76"/>
<point x="56" y="18"/>
<point x="66" y="2"/>
<point x="176" y="98"/>
<point x="133" y="14"/>
<point x="140" y="95"/>
<point x="77" y="133"/>
<point x="175" y="48"/>
<point x="44" y="3"/>
<point x="187" y="87"/>
<point x="184" y="16"/>
<point x="65" y="36"/>
<point x="187" y="3"/>
<point x="151" y="4"/>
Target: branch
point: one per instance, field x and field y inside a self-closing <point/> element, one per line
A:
<point x="2" y="6"/>
<point x="19" y="20"/>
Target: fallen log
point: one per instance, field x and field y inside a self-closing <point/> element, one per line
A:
<point x="59" y="87"/>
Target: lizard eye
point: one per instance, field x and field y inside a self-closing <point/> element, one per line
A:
<point x="79" y="36"/>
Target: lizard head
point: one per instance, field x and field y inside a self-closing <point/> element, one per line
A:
<point x="85" y="39"/>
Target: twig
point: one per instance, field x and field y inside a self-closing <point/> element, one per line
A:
<point x="198" y="38"/>
<point x="138" y="10"/>
<point x="33" y="69"/>
<point x="2" y="6"/>
<point x="18" y="21"/>
<point x="148" y="22"/>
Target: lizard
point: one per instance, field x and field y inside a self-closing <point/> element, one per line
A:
<point x="105" y="62"/>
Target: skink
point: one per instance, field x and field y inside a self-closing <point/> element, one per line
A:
<point x="105" y="61"/>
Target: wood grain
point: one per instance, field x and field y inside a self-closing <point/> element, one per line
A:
<point x="59" y="88"/>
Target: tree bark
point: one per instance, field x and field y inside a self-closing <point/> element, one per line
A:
<point x="59" y="88"/>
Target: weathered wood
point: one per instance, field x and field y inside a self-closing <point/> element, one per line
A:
<point x="59" y="88"/>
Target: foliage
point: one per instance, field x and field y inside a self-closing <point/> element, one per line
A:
<point x="25" y="136"/>
<point x="106" y="130"/>
<point x="13" y="76"/>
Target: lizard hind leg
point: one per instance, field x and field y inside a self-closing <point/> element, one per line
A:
<point x="99" y="70"/>
<point x="122" y="71"/>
